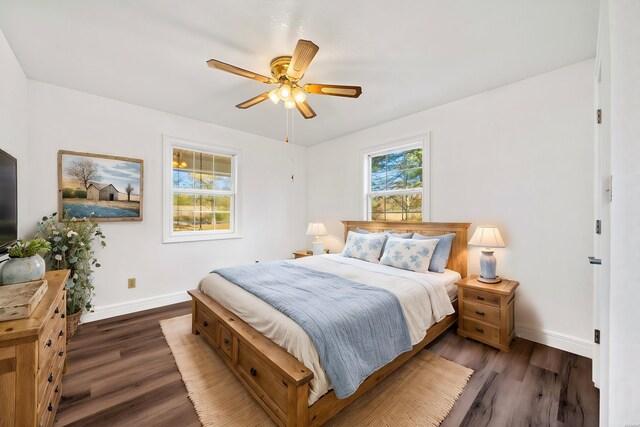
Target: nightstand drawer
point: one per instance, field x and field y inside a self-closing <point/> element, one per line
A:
<point x="480" y="329"/>
<point x="482" y="312"/>
<point x="482" y="297"/>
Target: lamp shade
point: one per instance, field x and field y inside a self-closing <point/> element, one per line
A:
<point x="487" y="236"/>
<point x="316" y="229"/>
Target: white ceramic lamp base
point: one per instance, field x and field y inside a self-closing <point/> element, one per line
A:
<point x="318" y="248"/>
<point x="488" y="267"/>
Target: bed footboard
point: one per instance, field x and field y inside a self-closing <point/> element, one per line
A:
<point x="276" y="379"/>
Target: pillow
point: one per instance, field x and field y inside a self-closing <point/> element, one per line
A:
<point x="441" y="254"/>
<point x="409" y="254"/>
<point x="386" y="233"/>
<point x="366" y="247"/>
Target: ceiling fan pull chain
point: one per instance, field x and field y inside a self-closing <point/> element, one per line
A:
<point x="292" y="142"/>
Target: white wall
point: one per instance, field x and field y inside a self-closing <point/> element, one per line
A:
<point x="624" y="345"/>
<point x="520" y="157"/>
<point x="13" y="121"/>
<point x="273" y="207"/>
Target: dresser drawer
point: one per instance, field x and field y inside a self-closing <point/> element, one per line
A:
<point x="263" y="381"/>
<point x="50" y="342"/>
<point x="482" y="297"/>
<point x="59" y="307"/>
<point x="479" y="329"/>
<point x="482" y="312"/>
<point x="226" y="341"/>
<point x="48" y="404"/>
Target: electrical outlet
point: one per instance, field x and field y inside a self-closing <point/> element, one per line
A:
<point x="131" y="283"/>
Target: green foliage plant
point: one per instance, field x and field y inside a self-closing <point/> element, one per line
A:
<point x="72" y="248"/>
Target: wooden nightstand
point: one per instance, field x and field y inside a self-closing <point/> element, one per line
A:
<point x="302" y="254"/>
<point x="486" y="311"/>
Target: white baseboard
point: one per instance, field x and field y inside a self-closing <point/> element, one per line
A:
<point x="113" y="310"/>
<point x="554" y="339"/>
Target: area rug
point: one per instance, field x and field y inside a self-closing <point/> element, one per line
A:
<point x="420" y="393"/>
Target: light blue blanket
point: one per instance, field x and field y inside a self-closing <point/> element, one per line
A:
<point x="356" y="328"/>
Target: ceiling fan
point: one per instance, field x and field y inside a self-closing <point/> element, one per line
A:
<point x="286" y="72"/>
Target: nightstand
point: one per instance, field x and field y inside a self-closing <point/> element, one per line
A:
<point x="486" y="311"/>
<point x="302" y="254"/>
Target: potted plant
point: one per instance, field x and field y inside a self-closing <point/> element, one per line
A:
<point x="72" y="248"/>
<point x="25" y="262"/>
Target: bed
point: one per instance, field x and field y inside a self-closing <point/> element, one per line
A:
<point x="264" y="350"/>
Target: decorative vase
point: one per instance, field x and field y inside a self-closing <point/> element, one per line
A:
<point x="18" y="270"/>
<point x="73" y="321"/>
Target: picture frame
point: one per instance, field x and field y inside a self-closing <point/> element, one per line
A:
<point x="101" y="187"/>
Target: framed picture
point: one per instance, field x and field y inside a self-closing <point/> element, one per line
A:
<point x="105" y="188"/>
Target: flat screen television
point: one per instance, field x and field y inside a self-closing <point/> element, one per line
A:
<point x="8" y="201"/>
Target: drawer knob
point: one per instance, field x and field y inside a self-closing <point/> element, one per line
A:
<point x="48" y="343"/>
<point x="253" y="372"/>
<point x="50" y="379"/>
<point x="57" y="389"/>
<point x="479" y="329"/>
<point x="61" y="353"/>
<point x="50" y="407"/>
<point x="61" y="333"/>
<point x="205" y="324"/>
<point x="480" y="313"/>
<point x="480" y="298"/>
<point x="62" y="315"/>
<point x="56" y="311"/>
<point x="226" y="341"/>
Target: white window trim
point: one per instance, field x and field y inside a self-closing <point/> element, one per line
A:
<point x="168" y="235"/>
<point x="423" y="141"/>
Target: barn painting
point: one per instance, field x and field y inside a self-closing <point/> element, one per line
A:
<point x="104" y="188"/>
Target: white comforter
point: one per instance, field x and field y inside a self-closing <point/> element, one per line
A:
<point x="422" y="296"/>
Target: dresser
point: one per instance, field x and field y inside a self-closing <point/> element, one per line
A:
<point x="487" y="311"/>
<point x="32" y="357"/>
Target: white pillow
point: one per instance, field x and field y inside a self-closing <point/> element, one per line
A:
<point x="366" y="247"/>
<point x="409" y="254"/>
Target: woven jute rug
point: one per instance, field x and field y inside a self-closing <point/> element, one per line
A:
<point x="420" y="393"/>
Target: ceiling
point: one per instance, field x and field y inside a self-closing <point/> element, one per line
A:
<point x="408" y="55"/>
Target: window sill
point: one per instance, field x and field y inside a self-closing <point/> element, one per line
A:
<point x="200" y="238"/>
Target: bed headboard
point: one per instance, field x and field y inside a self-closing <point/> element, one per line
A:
<point x="458" y="257"/>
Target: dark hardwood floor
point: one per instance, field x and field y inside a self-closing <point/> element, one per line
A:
<point x="121" y="373"/>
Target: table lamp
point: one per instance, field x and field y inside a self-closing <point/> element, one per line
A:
<point x="487" y="236"/>
<point x="317" y="229"/>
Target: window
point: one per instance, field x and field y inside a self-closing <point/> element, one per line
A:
<point x="201" y="195"/>
<point x="394" y="184"/>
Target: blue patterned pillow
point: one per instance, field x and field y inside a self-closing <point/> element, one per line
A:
<point x="409" y="254"/>
<point x="366" y="247"/>
<point x="386" y="233"/>
<point x="441" y="254"/>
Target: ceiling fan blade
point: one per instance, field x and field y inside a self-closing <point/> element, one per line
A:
<point x="302" y="57"/>
<point x="333" y="90"/>
<point x="306" y="111"/>
<point x="213" y="63"/>
<point x="253" y="101"/>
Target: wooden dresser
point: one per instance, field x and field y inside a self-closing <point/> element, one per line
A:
<point x="32" y="355"/>
<point x="487" y="311"/>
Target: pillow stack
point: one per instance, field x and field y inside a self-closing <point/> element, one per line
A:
<point x="418" y="253"/>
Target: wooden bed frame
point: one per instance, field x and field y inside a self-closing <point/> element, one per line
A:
<point x="275" y="378"/>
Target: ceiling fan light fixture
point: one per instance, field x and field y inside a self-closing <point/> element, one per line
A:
<point x="289" y="104"/>
<point x="298" y="94"/>
<point x="273" y="96"/>
<point x="284" y="91"/>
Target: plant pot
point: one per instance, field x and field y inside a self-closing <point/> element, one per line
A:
<point x="18" y="270"/>
<point x="73" y="320"/>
